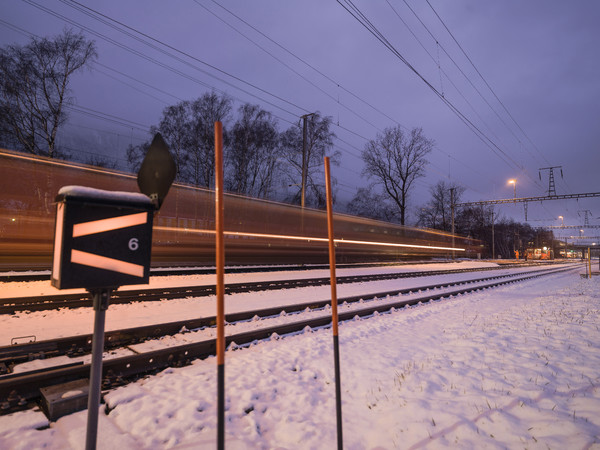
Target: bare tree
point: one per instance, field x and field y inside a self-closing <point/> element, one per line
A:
<point x="205" y="111"/>
<point x="188" y="127"/>
<point x="437" y="213"/>
<point x="395" y="160"/>
<point x="253" y="153"/>
<point x="367" y="203"/>
<point x="34" y="82"/>
<point x="174" y="129"/>
<point x="319" y="142"/>
<point x="136" y="154"/>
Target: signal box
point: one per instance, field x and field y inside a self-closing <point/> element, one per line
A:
<point x="102" y="238"/>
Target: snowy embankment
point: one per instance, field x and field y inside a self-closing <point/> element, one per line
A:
<point x="516" y="367"/>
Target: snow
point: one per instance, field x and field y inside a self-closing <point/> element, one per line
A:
<point x="100" y="194"/>
<point x="51" y="324"/>
<point x="513" y="367"/>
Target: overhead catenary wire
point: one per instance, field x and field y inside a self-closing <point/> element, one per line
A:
<point x="442" y="71"/>
<point x="355" y="12"/>
<point x="157" y="45"/>
<point x="336" y="83"/>
<point x="136" y="80"/>
<point x="485" y="81"/>
<point x="462" y="72"/>
<point x="164" y="66"/>
<point x="159" y="63"/>
<point x="311" y="66"/>
<point x="109" y="21"/>
<point x="280" y="61"/>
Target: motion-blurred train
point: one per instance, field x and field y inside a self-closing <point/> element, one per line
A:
<point x="256" y="231"/>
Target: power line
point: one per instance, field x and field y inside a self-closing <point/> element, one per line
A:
<point x="136" y="80"/>
<point x="336" y="83"/>
<point x="442" y="71"/>
<point x="155" y="61"/>
<point x="109" y="21"/>
<point x="365" y="22"/>
<point x="484" y="80"/>
<point x="458" y="67"/>
<point x="108" y="117"/>
<point x="112" y="132"/>
<point x="289" y="67"/>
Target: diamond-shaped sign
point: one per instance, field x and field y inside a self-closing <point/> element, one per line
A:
<point x="157" y="171"/>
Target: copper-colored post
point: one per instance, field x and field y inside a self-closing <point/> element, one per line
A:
<point x="334" y="311"/>
<point x="220" y="263"/>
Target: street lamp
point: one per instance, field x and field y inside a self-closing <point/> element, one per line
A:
<point x="562" y="221"/>
<point x="514" y="183"/>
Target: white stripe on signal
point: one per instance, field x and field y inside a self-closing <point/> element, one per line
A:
<point x="58" y="241"/>
<point x="102" y="262"/>
<point x="114" y="223"/>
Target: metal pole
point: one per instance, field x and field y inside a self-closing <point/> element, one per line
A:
<point x="590" y="261"/>
<point x="493" y="242"/>
<point x="303" y="189"/>
<point x="220" y="263"/>
<point x="334" y="311"/>
<point x="100" y="299"/>
<point x="452" y="214"/>
<point x="587" y="273"/>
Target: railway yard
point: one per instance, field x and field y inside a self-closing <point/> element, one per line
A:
<point x="166" y="331"/>
<point x="223" y="228"/>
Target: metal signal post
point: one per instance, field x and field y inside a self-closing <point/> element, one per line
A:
<point x="220" y="263"/>
<point x="102" y="240"/>
<point x="334" y="311"/>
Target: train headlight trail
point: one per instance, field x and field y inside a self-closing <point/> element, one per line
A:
<point x="309" y="239"/>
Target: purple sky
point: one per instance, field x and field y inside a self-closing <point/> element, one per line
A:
<point x="540" y="58"/>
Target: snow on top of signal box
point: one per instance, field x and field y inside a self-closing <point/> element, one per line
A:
<point x="100" y="194"/>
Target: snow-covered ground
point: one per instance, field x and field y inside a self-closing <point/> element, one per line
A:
<point x="513" y="367"/>
<point x="67" y="322"/>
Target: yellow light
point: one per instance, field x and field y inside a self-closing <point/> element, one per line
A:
<point x="512" y="181"/>
<point x="309" y="239"/>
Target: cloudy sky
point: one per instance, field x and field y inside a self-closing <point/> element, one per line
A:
<point x="504" y="88"/>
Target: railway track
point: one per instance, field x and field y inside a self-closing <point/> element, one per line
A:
<point x="20" y="390"/>
<point x="8" y="274"/>
<point x="49" y="302"/>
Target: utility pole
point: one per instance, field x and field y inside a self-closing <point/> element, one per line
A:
<point x="493" y="241"/>
<point x="452" y="214"/>
<point x="586" y="219"/>
<point x="304" y="160"/>
<point x="551" y="185"/>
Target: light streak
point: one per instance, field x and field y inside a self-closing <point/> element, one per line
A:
<point x="69" y="165"/>
<point x="102" y="262"/>
<point x="309" y="239"/>
<point x="58" y="237"/>
<point x="112" y="223"/>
